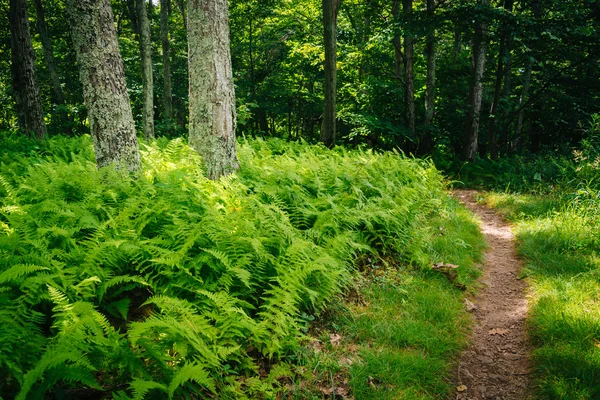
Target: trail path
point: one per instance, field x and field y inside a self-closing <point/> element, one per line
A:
<point x="496" y="365"/>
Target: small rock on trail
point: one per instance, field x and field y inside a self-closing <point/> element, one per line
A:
<point x="496" y="365"/>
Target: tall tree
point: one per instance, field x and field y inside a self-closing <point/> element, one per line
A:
<point x="48" y="53"/>
<point x="398" y="56"/>
<point x="212" y="119"/>
<point x="330" y="13"/>
<point x="103" y="80"/>
<point x="409" y="68"/>
<point x="181" y="6"/>
<point x="426" y="140"/>
<point x="30" y="115"/>
<point x="476" y="86"/>
<point x="147" y="76"/>
<point x="501" y="74"/>
<point x="165" y="9"/>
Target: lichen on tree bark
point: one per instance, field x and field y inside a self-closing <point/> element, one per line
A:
<point x="103" y="80"/>
<point x="212" y="119"/>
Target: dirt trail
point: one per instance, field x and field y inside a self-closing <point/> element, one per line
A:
<point x="496" y="365"/>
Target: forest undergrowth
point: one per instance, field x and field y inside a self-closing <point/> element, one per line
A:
<point x="170" y="285"/>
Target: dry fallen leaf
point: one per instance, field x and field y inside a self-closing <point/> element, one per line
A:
<point x="334" y="339"/>
<point x="461" y="388"/>
<point x="470" y="306"/>
<point x="498" y="331"/>
<point x="597" y="343"/>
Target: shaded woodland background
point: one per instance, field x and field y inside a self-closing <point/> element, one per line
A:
<point x="541" y="79"/>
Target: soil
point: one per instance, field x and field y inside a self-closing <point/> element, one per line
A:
<point x="496" y="365"/>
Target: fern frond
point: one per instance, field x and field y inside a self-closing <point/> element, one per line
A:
<point x="191" y="372"/>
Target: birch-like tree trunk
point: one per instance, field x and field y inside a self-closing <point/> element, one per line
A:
<point x="330" y="12"/>
<point x="103" y="81"/>
<point x="30" y="115"/>
<point x="165" y="7"/>
<point x="212" y="119"/>
<point x="147" y="76"/>
<point x="476" y="89"/>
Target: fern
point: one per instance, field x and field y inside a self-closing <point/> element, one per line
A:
<point x="157" y="284"/>
<point x="191" y="372"/>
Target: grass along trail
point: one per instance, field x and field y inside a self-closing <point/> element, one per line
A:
<point x="496" y="365"/>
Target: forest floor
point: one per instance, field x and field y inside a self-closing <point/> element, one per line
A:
<point x="497" y="363"/>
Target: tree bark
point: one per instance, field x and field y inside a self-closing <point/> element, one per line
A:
<point x="212" y="117"/>
<point x="48" y="53"/>
<point x="181" y="6"/>
<point x="409" y="71"/>
<point x="536" y="7"/>
<point x="103" y="81"/>
<point x="30" y="115"/>
<point x="426" y="142"/>
<point x="399" y="59"/>
<point x="495" y="117"/>
<point x="166" y="56"/>
<point x="330" y="12"/>
<point x="457" y="48"/>
<point x="476" y="89"/>
<point x="147" y="76"/>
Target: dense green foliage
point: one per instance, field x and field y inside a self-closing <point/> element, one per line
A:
<point x="171" y="283"/>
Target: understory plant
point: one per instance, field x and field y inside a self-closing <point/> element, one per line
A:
<point x="168" y="284"/>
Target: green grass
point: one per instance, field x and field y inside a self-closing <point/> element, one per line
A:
<point x="560" y="243"/>
<point x="404" y="329"/>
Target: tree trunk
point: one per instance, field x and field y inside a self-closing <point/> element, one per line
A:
<point x="103" y="81"/>
<point x="181" y="6"/>
<point x="48" y="53"/>
<point x="330" y="12"/>
<point x="166" y="56"/>
<point x="147" y="76"/>
<point x="457" y="48"/>
<point x="426" y="143"/>
<point x="524" y="96"/>
<point x="399" y="59"/>
<point x="536" y="7"/>
<point x="24" y="80"/>
<point x="495" y="117"/>
<point x="211" y="93"/>
<point x="409" y="71"/>
<point x="476" y="89"/>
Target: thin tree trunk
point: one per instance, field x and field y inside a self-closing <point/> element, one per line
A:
<point x="536" y="7"/>
<point x="48" y="53"/>
<point x="147" y="76"/>
<point x="409" y="72"/>
<point x="181" y="6"/>
<point x="211" y="94"/>
<point x="506" y="93"/>
<point x="165" y="6"/>
<point x="476" y="89"/>
<point x="103" y="80"/>
<point x="495" y="117"/>
<point x="24" y="80"/>
<point x="330" y="12"/>
<point x="457" y="48"/>
<point x="523" y="99"/>
<point x="398" y="57"/>
<point x="426" y="142"/>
